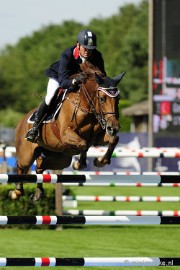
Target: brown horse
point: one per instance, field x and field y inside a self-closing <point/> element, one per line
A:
<point x="88" y="116"/>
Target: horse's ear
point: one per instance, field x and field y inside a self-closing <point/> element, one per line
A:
<point x="98" y="79"/>
<point x="118" y="78"/>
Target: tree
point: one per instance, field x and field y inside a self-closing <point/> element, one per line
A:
<point x="122" y="39"/>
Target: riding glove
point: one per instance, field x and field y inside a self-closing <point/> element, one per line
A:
<point x="78" y="80"/>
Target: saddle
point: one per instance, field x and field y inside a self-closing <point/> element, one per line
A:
<point x="54" y="108"/>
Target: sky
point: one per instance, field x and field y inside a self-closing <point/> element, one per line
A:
<point x="19" y="18"/>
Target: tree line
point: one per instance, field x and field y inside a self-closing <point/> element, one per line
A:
<point x="122" y="39"/>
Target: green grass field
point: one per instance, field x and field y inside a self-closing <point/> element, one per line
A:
<point x="100" y="241"/>
<point x="92" y="241"/>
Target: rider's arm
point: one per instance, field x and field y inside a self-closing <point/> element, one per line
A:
<point x="65" y="70"/>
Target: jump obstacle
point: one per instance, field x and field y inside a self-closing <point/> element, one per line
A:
<point x="41" y="178"/>
<point x="89" y="220"/>
<point x="153" y="152"/>
<point x="82" y="198"/>
<point x="134" y="152"/>
<point x="111" y="261"/>
<point x="154" y="180"/>
<point x="115" y="184"/>
<point x="104" y="173"/>
<point x="129" y="180"/>
<point x="163" y="213"/>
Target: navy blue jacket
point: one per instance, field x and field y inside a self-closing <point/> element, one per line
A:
<point x="69" y="64"/>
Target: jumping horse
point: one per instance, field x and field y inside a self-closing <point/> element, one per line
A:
<point x="88" y="117"/>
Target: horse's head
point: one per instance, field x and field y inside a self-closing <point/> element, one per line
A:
<point x="103" y="97"/>
<point x="107" y="102"/>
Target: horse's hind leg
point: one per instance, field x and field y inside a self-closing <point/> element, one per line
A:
<point x="39" y="193"/>
<point x="19" y="191"/>
<point x="52" y="161"/>
<point x="23" y="166"/>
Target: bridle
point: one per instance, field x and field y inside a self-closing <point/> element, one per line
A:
<point x="99" y="115"/>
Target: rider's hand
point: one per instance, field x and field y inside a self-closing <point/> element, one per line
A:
<point x="78" y="80"/>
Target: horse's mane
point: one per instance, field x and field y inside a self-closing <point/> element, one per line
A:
<point x="90" y="69"/>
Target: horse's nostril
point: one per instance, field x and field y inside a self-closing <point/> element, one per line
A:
<point x="111" y="130"/>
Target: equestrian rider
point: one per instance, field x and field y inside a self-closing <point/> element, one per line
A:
<point x="59" y="74"/>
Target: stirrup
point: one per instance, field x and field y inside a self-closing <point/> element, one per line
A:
<point x="32" y="135"/>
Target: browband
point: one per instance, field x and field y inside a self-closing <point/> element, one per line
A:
<point x="110" y="91"/>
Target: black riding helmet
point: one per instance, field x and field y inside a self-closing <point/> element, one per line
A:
<point x="87" y="39"/>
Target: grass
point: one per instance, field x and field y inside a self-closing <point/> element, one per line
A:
<point x="92" y="241"/>
<point x="127" y="191"/>
<point x="99" y="241"/>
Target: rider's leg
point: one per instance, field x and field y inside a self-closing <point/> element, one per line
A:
<point x="42" y="111"/>
<point x="52" y="86"/>
<point x="32" y="134"/>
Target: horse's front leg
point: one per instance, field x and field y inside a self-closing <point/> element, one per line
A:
<point x="81" y="163"/>
<point x="71" y="138"/>
<point x="106" y="159"/>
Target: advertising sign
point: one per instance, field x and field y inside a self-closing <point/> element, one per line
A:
<point x="166" y="66"/>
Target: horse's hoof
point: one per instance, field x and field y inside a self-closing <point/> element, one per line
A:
<point x="37" y="196"/>
<point x="15" y="194"/>
<point x="78" y="166"/>
<point x="100" y="162"/>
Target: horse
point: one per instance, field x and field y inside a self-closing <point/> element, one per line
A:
<point x="88" y="117"/>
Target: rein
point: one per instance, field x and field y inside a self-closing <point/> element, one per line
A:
<point x="99" y="116"/>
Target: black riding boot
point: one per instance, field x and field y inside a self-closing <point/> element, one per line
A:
<point x="32" y="134"/>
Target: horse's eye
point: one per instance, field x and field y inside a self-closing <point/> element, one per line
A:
<point x="102" y="99"/>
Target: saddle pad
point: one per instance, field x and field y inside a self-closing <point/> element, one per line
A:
<point x="48" y="118"/>
<point x="32" y="117"/>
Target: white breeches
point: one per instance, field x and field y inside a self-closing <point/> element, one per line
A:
<point x="51" y="89"/>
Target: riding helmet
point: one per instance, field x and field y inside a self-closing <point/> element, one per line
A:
<point x="87" y="39"/>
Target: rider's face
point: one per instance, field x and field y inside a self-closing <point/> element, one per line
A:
<point x="86" y="53"/>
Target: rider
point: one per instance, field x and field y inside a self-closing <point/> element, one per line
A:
<point x="59" y="74"/>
